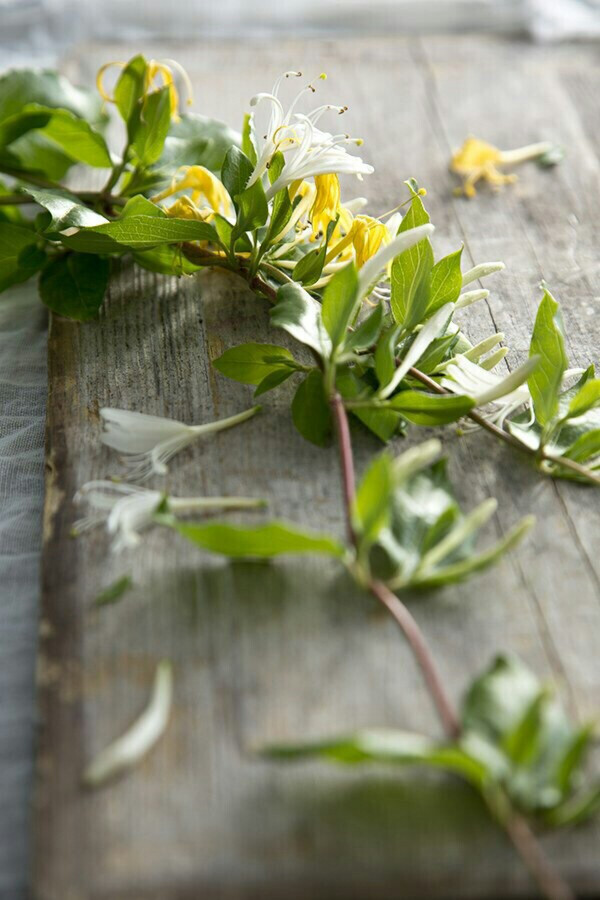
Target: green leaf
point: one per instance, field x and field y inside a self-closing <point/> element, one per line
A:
<point x="273" y="380"/>
<point x="372" y="510"/>
<point x="385" y="356"/>
<point x="411" y="272"/>
<point x="311" y="413"/>
<point x="34" y="152"/>
<point x="129" y="91"/>
<point x="458" y="571"/>
<point x="252" y="363"/>
<point x="366" y="334"/>
<point x="339" y="303"/>
<point x="384" y="423"/>
<point x="139" y="233"/>
<point x="585" y="447"/>
<point x="308" y="269"/>
<point x="66" y="210"/>
<point x="253" y="209"/>
<point x="236" y="172"/>
<point x="114" y="591"/>
<point x="166" y="260"/>
<point x="151" y="130"/>
<point x="19" y="87"/>
<point x="300" y="315"/>
<point x="446" y="281"/>
<point x="138" y="205"/>
<point x="18" y="259"/>
<point x="547" y="342"/>
<point x="73" y="285"/>
<point x="74" y="136"/>
<point x="248" y="144"/>
<point x="273" y="539"/>
<point x="587" y="398"/>
<point x="431" y="409"/>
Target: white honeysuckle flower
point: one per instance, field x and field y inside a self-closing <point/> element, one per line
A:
<point x="149" y="442"/>
<point x="128" y="509"/>
<point x="372" y="269"/>
<point x="318" y="153"/>
<point x="507" y="393"/>
<point x="311" y="151"/>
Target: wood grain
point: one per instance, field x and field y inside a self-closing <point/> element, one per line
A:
<point x="294" y="650"/>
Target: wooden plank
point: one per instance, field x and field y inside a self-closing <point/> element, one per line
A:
<point x="291" y="650"/>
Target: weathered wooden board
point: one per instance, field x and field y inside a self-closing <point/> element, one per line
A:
<point x="293" y="650"/>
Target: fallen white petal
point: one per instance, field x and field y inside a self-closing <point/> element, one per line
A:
<point x="131" y="747"/>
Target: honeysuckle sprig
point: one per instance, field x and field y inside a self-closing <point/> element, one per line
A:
<point x="126" y="510"/>
<point x="147" y="443"/>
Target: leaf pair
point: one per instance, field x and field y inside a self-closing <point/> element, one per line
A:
<point x="412" y="532"/>
<point x="420" y="288"/>
<point x="515" y="743"/>
<point x="567" y="421"/>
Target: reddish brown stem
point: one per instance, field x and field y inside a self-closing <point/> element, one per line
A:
<point x="346" y="462"/>
<point x="418" y="645"/>
<point x="381" y="592"/>
<point x="526" y="844"/>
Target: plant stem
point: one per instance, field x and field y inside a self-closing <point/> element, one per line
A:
<point x="422" y="654"/>
<point x="552" y="886"/>
<point x="381" y="592"/>
<point x="346" y="463"/>
<point x="510" y="439"/>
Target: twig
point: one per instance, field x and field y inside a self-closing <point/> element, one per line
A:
<point x="508" y="438"/>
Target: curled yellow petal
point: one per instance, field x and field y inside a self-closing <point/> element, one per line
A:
<point x="100" y="79"/>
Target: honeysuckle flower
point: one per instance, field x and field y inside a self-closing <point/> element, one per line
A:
<point x="366" y="235"/>
<point x="159" y="73"/>
<point x="185" y="208"/>
<point x="479" y="161"/>
<point x="309" y="151"/>
<point x="128" y="509"/>
<point x="318" y="153"/>
<point x="204" y="187"/>
<point x="505" y="393"/>
<point x="147" y="443"/>
<point x="326" y="205"/>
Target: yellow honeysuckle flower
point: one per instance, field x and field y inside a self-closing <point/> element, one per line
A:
<point x="203" y="185"/>
<point x="479" y="161"/>
<point x="366" y="235"/>
<point x="159" y="73"/>
<point x="185" y="208"/>
<point x="326" y="205"/>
